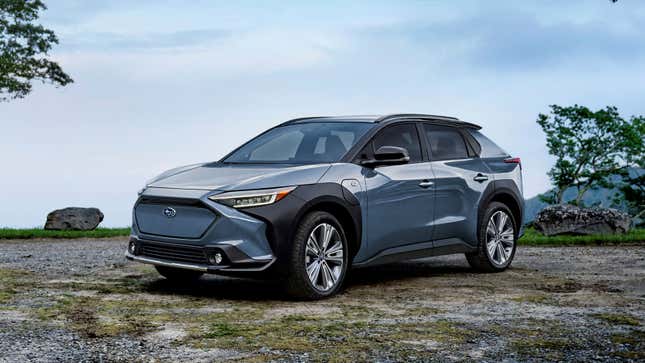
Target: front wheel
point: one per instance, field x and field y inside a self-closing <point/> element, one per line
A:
<point x="319" y="257"/>
<point x="497" y="240"/>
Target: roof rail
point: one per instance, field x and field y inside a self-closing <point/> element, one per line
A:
<point x="447" y="120"/>
<point x="396" y="116"/>
<point x="345" y="117"/>
<point x="301" y="119"/>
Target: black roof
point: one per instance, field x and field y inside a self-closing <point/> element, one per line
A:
<point x="450" y="121"/>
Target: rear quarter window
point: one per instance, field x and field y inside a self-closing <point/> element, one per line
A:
<point x="489" y="148"/>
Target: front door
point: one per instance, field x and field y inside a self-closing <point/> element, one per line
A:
<point x="400" y="197"/>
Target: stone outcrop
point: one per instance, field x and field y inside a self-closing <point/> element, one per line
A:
<point x="73" y="218"/>
<point x="569" y="219"/>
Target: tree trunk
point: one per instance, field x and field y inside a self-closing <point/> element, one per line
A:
<point x="560" y="194"/>
<point x="581" y="194"/>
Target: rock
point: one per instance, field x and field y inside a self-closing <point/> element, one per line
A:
<point x="569" y="219"/>
<point x="84" y="219"/>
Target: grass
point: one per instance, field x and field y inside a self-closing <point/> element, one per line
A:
<point x="11" y="281"/>
<point x="618" y="319"/>
<point x="14" y="233"/>
<point x="533" y="238"/>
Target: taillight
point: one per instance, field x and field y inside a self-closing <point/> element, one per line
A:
<point x="513" y="161"/>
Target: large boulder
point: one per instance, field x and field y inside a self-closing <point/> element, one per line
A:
<point x="73" y="218"/>
<point x="569" y="219"/>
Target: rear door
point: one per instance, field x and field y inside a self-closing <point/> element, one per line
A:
<point x="460" y="178"/>
<point x="399" y="197"/>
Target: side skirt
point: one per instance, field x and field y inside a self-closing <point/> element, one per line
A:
<point x="415" y="251"/>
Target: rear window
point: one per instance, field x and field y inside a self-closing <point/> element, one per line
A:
<point x="445" y="143"/>
<point x="489" y="148"/>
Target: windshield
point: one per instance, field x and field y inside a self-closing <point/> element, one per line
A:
<point x="319" y="142"/>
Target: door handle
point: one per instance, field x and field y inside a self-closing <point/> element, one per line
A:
<point x="426" y="184"/>
<point x="480" y="178"/>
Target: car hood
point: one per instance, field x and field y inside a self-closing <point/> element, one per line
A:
<point x="239" y="177"/>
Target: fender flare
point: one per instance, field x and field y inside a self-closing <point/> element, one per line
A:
<point x="283" y="217"/>
<point x="506" y="192"/>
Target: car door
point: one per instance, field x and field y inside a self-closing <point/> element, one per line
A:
<point x="460" y="178"/>
<point x="399" y="197"/>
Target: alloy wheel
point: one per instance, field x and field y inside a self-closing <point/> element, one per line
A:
<point x="500" y="237"/>
<point x="324" y="257"/>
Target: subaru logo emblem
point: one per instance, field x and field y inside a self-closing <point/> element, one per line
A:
<point x="169" y="212"/>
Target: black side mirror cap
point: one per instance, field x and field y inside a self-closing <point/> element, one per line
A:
<point x="388" y="155"/>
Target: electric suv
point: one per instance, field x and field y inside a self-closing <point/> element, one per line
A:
<point x="312" y="197"/>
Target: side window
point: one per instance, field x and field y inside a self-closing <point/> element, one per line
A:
<point x="445" y="142"/>
<point x="404" y="136"/>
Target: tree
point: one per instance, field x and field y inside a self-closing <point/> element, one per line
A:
<point x="631" y="194"/>
<point x="24" y="47"/>
<point x="590" y="147"/>
<point x="631" y="188"/>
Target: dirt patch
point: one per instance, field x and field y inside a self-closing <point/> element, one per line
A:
<point x="313" y="311"/>
<point x="168" y="334"/>
<point x="562" y="287"/>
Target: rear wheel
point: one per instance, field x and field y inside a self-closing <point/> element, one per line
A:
<point x="318" y="261"/>
<point x="178" y="274"/>
<point x="497" y="240"/>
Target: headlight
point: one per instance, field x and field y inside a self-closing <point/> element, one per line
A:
<point x="251" y="198"/>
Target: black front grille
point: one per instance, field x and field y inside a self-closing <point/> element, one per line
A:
<point x="173" y="252"/>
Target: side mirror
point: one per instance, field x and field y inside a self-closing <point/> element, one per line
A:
<point x="388" y="155"/>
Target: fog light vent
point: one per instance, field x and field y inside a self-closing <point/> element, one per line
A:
<point x="132" y="247"/>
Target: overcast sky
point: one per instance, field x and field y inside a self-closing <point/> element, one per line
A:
<point x="160" y="84"/>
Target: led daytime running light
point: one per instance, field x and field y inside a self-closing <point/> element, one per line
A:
<point x="251" y="198"/>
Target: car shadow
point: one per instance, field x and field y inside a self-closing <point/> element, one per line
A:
<point x="401" y="271"/>
<point x="219" y="288"/>
<point x="235" y="288"/>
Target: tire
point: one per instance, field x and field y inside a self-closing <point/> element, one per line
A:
<point x="502" y="252"/>
<point x="332" y="268"/>
<point x="178" y="274"/>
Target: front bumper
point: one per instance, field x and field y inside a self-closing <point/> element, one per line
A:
<point x="197" y="230"/>
<point x="198" y="267"/>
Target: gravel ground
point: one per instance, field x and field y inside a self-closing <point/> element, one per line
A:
<point x="81" y="301"/>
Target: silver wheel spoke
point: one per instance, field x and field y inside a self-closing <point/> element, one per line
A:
<point x="503" y="218"/>
<point x="336" y="247"/>
<point x="313" y="270"/>
<point x="338" y="259"/>
<point x="312" y="246"/>
<point x="507" y="237"/>
<point x="501" y="253"/>
<point x="326" y="276"/>
<point x="491" y="229"/>
<point x="332" y="273"/>
<point x="500" y="238"/>
<point x="491" y="248"/>
<point x="327" y="232"/>
<point x="324" y="257"/>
